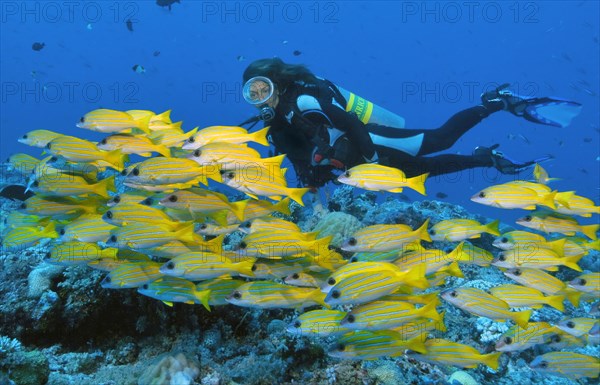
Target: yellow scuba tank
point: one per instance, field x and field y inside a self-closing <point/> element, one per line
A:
<point x="368" y="112"/>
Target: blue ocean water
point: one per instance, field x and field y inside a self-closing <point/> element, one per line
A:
<point x="422" y="60"/>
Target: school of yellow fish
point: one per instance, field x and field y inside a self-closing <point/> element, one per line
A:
<point x="151" y="238"/>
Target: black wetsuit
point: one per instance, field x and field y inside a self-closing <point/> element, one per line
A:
<point x="305" y="110"/>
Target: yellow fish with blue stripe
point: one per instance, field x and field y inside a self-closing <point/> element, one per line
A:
<point x="441" y="351"/>
<point x="455" y="230"/>
<point x="170" y="289"/>
<point x="21" y="238"/>
<point x="76" y="253"/>
<point x="79" y="150"/>
<point x="510" y="196"/>
<point x="522" y="296"/>
<point x="567" y="364"/>
<point x="165" y="171"/>
<point x="131" y="275"/>
<point x="198" y="200"/>
<point x="517" y="339"/>
<point x="587" y="283"/>
<point x="277" y="244"/>
<point x="382" y="315"/>
<point x="480" y="303"/>
<point x="322" y="323"/>
<point x="86" y="228"/>
<point x="376" y="177"/>
<point x="541" y="175"/>
<point x="369" y="345"/>
<point x="535" y="257"/>
<point x="219" y="289"/>
<point x="132" y="144"/>
<point x="197" y="266"/>
<point x="38" y="138"/>
<point x="226" y="155"/>
<point x="378" y="238"/>
<point x="228" y="134"/>
<point x="557" y="223"/>
<point x="64" y="185"/>
<point x="109" y="121"/>
<point x="542" y="281"/>
<point x="139" y="236"/>
<point x="270" y="295"/>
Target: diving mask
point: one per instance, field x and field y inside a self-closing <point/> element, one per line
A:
<point x="258" y="90"/>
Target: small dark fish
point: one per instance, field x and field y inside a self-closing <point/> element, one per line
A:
<point x="297" y="53"/>
<point x="15" y="192"/>
<point x="566" y="57"/>
<point x="129" y="25"/>
<point x="441" y="195"/>
<point x="156" y="53"/>
<point x="241" y="58"/>
<point x="138" y="68"/>
<point x="588" y="140"/>
<point x="583" y="170"/>
<point x="37" y="46"/>
<point x="166" y="3"/>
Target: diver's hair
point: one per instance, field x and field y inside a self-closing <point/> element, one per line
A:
<point x="280" y="73"/>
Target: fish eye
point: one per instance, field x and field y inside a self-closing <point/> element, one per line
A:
<point x="203" y="226"/>
<point x="570" y="324"/>
<point x="36" y="184"/>
<point x="237" y="295"/>
<point x="246" y="224"/>
<point x="432" y="232"/>
<point x="82" y="120"/>
<point x="253" y="268"/>
<point x="107" y="279"/>
<point x="145" y="286"/>
<point x="113" y="238"/>
<point x="109" y="214"/>
<point x="508" y="340"/>
<point x="295" y="276"/>
<point x="517" y="272"/>
<point x="353" y="259"/>
<point x="501" y="257"/>
<point x="527" y="218"/>
<point x="581" y="282"/>
<point x="482" y="195"/>
<point x="341" y="347"/>
<point x="103" y="141"/>
<point x="62" y="232"/>
<point x="23" y="205"/>
<point x="173" y="198"/>
<point x="191" y="139"/>
<point x="147" y="202"/>
<point x="25" y="136"/>
<point x="543" y="364"/>
<point x="504" y="240"/>
<point x="48" y="255"/>
<point x="335" y="294"/>
<point x="297" y="324"/>
<point x="197" y="153"/>
<point x="352" y="241"/>
<point x="351" y="318"/>
<point x="453" y="294"/>
<point x="555" y="338"/>
<point x="243" y="245"/>
<point x="136" y="171"/>
<point x="331" y="281"/>
<point x="53" y="159"/>
<point x="170" y="265"/>
<point x="230" y="175"/>
<point x="117" y="199"/>
<point x="48" y="146"/>
<point x="347" y="174"/>
<point x="124" y="172"/>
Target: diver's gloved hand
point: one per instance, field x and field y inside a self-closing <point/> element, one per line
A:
<point x="500" y="162"/>
<point x="322" y="160"/>
<point x="372" y="159"/>
<point x="511" y="102"/>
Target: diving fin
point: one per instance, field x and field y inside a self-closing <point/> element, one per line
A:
<point x="543" y="110"/>
<point x="505" y="164"/>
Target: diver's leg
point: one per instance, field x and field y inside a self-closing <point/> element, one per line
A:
<point x="435" y="165"/>
<point x="445" y="136"/>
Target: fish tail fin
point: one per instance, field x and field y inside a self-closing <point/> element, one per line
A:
<point x="417" y="183"/>
<point x="245" y="267"/>
<point x="417" y="344"/>
<point x="163" y="117"/>
<point x="521" y="318"/>
<point x="296" y="194"/>
<point x="558" y="246"/>
<point x="593" y="245"/>
<point x="422" y="231"/>
<point x="492" y="228"/>
<point x="104" y="186"/>
<point x="571" y="262"/>
<point x="415" y="277"/>
<point x="186" y="234"/>
<point x="116" y="159"/>
<point x="440" y="325"/>
<point x="283" y="206"/>
<point x="260" y="136"/>
<point x="319" y="297"/>
<point x="142" y="124"/>
<point x="321" y="244"/>
<point x="454" y="270"/>
<point x="162" y="150"/>
<point x="564" y="197"/>
<point x="429" y="311"/>
<point x="50" y="230"/>
<point x="203" y="297"/>
<point x="548" y="200"/>
<point x="237" y="208"/>
<point x="572" y="295"/>
<point x="590" y="231"/>
<point x="556" y="301"/>
<point x="491" y="360"/>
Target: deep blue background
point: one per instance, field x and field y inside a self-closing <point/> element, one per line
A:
<point x="424" y="61"/>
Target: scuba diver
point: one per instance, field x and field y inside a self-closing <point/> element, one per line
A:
<point x="322" y="127"/>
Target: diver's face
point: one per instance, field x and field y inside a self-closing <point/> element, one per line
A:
<point x="260" y="90"/>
